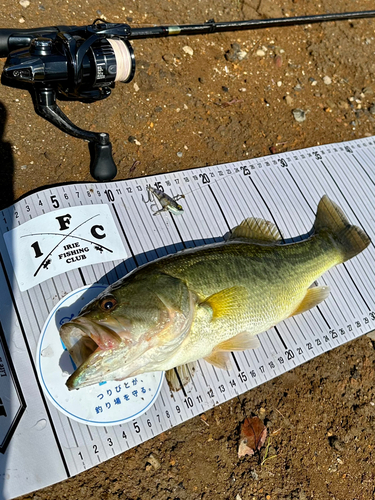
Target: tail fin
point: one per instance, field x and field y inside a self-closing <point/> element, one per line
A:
<point x="350" y="240"/>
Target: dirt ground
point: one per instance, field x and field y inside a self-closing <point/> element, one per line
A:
<point x="196" y="106"/>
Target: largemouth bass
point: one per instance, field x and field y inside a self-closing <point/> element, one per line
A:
<point x="207" y="301"/>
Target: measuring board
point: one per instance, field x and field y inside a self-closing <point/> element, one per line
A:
<point x="39" y="444"/>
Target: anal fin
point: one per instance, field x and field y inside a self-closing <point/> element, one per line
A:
<point x="220" y="359"/>
<point x="240" y="342"/>
<point x="313" y="297"/>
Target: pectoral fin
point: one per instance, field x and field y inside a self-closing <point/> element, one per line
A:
<point x="227" y="302"/>
<point x="313" y="297"/>
<point x="257" y="230"/>
<point x="180" y="376"/>
<point x="240" y="342"/>
<point x="220" y="359"/>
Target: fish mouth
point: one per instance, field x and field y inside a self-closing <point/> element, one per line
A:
<point x="84" y="337"/>
<point x="102" y="350"/>
<point x="116" y="360"/>
<point x="90" y="345"/>
<point x="78" y="342"/>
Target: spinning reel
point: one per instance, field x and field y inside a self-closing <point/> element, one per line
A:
<point x="72" y="63"/>
<point x="83" y="63"/>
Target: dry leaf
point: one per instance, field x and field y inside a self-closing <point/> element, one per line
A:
<point x="253" y="436"/>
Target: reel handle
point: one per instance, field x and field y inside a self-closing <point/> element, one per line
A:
<point x="102" y="167"/>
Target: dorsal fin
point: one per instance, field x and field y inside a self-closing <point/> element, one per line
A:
<point x="256" y="229"/>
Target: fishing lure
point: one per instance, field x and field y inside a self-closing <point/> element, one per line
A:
<point x="167" y="202"/>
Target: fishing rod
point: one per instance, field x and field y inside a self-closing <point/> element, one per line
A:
<point x="84" y="62"/>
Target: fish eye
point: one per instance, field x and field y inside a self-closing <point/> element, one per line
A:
<point x="108" y="303"/>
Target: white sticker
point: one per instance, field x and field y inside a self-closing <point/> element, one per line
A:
<point x="108" y="403"/>
<point x="59" y="241"/>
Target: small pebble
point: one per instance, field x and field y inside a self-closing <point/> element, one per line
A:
<point x="136" y="87"/>
<point x="278" y="61"/>
<point x="188" y="50"/>
<point x="168" y="58"/>
<point x="21" y="20"/>
<point x="327" y="80"/>
<point x="152" y="460"/>
<point x="235" y="54"/>
<point x="313" y="81"/>
<point x="254" y="475"/>
<point x="260" y="53"/>
<point x="343" y="105"/>
<point x="179" y="154"/>
<point x="279" y="83"/>
<point x="372" y="109"/>
<point x="298" y="87"/>
<point x="24" y="3"/>
<point x="288" y="100"/>
<point x="299" y="115"/>
<point x="133" y="140"/>
<point x="241" y="55"/>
